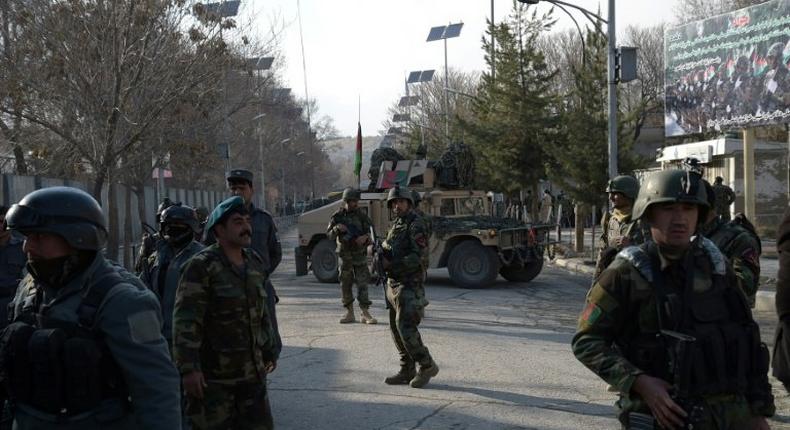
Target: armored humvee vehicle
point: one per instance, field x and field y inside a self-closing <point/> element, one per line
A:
<point x="466" y="238"/>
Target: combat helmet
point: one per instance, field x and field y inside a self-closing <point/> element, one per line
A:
<point x="351" y="194"/>
<point x="181" y="214"/>
<point x="166" y="203"/>
<point x="398" y="192"/>
<point x="67" y="212"/>
<point x="627" y="185"/>
<point x="675" y="186"/>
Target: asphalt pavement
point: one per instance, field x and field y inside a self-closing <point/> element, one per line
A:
<point x="504" y="356"/>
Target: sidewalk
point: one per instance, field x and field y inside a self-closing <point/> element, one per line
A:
<point x="769" y="265"/>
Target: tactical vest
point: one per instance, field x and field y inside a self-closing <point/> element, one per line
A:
<point x="709" y="343"/>
<point x="61" y="367"/>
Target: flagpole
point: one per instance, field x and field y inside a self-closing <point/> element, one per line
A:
<point x="359" y="123"/>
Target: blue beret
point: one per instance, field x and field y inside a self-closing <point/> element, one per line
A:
<point x="222" y="210"/>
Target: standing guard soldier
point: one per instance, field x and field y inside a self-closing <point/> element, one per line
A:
<point x="725" y="197"/>
<point x="350" y="227"/>
<point x="84" y="349"/>
<point x="179" y="225"/>
<point x="12" y="266"/>
<point x="738" y="241"/>
<point x="402" y="260"/>
<point x="618" y="230"/>
<point x="223" y="339"/>
<point x="667" y="325"/>
<point x="151" y="242"/>
<point x="264" y="240"/>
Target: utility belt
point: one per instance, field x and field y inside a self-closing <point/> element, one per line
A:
<point x="58" y="369"/>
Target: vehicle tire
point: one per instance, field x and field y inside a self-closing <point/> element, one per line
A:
<point x="324" y="261"/>
<point x="300" y="261"/>
<point x="472" y="265"/>
<point x="526" y="273"/>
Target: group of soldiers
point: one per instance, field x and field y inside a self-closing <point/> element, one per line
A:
<point x="724" y="94"/>
<point x="667" y="323"/>
<point x="187" y="342"/>
<point x="404" y="261"/>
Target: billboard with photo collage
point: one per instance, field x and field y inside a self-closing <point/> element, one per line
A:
<point x="729" y="71"/>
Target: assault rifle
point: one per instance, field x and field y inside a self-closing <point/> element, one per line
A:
<point x="379" y="253"/>
<point x="352" y="233"/>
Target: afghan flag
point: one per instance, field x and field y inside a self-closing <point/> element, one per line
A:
<point x="358" y="157"/>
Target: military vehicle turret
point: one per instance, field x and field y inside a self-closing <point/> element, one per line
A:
<point x="474" y="245"/>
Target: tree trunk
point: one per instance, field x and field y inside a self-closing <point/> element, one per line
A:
<point x="112" y="215"/>
<point x="579" y="231"/>
<point x="19" y="158"/>
<point x="128" y="245"/>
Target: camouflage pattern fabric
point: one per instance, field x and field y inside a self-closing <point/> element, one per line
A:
<point x="379" y="156"/>
<point x="615" y="226"/>
<point x="353" y="257"/>
<point x="221" y="323"/>
<point x="742" y="249"/>
<point x="406" y="242"/>
<point x="427" y="221"/>
<point x="456" y="167"/>
<point x="238" y="407"/>
<point x="621" y="310"/>
<point x="725" y="197"/>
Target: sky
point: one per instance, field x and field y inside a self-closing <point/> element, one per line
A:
<point x="358" y="52"/>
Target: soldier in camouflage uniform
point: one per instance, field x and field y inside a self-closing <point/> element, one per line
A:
<point x="403" y="249"/>
<point x="725" y="197"/>
<point x="350" y="227"/>
<point x="163" y="268"/>
<point x="741" y="247"/>
<point x="618" y="230"/>
<point x="428" y="223"/>
<point x="223" y="341"/>
<point x="663" y="322"/>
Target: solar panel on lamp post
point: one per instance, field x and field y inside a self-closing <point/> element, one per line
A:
<point x="418" y="77"/>
<point x="445" y="32"/>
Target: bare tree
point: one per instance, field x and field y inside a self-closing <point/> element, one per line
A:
<point x="693" y="10"/>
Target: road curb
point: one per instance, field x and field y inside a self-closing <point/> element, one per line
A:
<point x="764" y="301"/>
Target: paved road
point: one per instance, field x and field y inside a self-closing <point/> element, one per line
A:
<point x="503" y="352"/>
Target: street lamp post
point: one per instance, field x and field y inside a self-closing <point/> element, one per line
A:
<point x="445" y="32"/>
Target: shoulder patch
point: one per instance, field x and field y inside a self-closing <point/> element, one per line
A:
<point x="636" y="257"/>
<point x="716" y="257"/>
<point x="144" y="326"/>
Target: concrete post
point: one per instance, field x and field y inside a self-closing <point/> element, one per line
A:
<point x="748" y="174"/>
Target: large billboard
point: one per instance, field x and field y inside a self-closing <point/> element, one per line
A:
<point x="729" y="71"/>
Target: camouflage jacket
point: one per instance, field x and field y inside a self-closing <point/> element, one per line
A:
<point x="614" y="228"/>
<point x="621" y="312"/>
<point x="406" y="242"/>
<point x="221" y="323"/>
<point x="356" y="218"/>
<point x="742" y="249"/>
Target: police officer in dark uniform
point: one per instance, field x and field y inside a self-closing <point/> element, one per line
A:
<point x="161" y="274"/>
<point x="12" y="266"/>
<point x="151" y="242"/>
<point x="264" y="238"/>
<point x="84" y="348"/>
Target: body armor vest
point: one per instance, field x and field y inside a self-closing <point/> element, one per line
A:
<point x="60" y="367"/>
<point x="707" y="341"/>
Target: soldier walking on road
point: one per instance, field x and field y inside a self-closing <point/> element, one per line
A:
<point x="223" y="339"/>
<point x="725" y="197"/>
<point x="84" y="349"/>
<point x="264" y="240"/>
<point x="618" y="230"/>
<point x="163" y="269"/>
<point x="350" y="227"/>
<point x="403" y="250"/>
<point x="12" y="266"/>
<point x="667" y="325"/>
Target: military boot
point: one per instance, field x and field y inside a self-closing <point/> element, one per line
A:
<point x="367" y="318"/>
<point x="424" y="375"/>
<point x="349" y="317"/>
<point x="403" y="376"/>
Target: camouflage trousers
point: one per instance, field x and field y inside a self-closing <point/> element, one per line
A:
<point x="354" y="269"/>
<point x="243" y="406"/>
<point x="724" y="412"/>
<point x="407" y="301"/>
